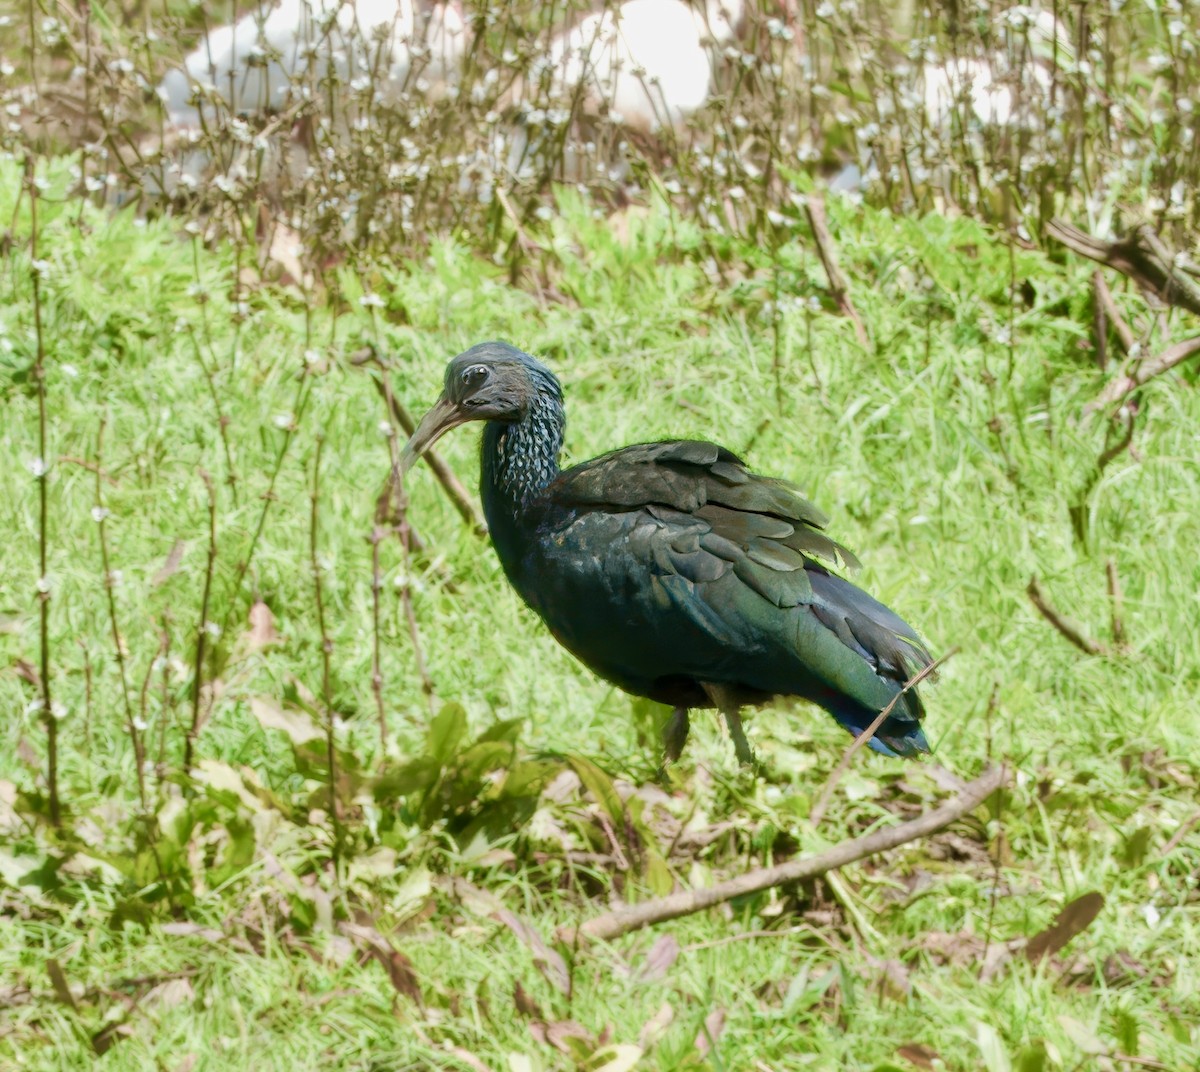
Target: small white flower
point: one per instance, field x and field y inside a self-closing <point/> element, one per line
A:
<point x="37" y="466"/>
<point x="40" y="267"/>
<point x="43" y="585"/>
<point x="284" y="421"/>
<point x="139" y="724"/>
<point x="371" y="301"/>
<point x="115" y="578"/>
<point x="99" y="513"/>
<point x="386" y="429"/>
<point x="212" y="629"/>
<point x="311" y="357"/>
<point x="58" y="711"/>
<point x="70" y="371"/>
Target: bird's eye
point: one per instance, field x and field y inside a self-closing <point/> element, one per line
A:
<point x="475" y="375"/>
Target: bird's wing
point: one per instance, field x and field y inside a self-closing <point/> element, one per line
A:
<point x="711" y="515"/>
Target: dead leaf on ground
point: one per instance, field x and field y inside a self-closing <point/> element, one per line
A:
<point x="400" y="970"/>
<point x="710" y="1034"/>
<point x="548" y="961"/>
<point x="654" y="1028"/>
<point x="261" y="633"/>
<point x="525" y="1005"/>
<point x="109" y="1035"/>
<point x="169" y="994"/>
<point x="171" y="565"/>
<point x="563" y="1035"/>
<point x="891" y="978"/>
<point x="915" y="1053"/>
<point x="58" y="980"/>
<point x="299" y="726"/>
<point x="27" y="672"/>
<point x="1075" y="917"/>
<point x="659" y="959"/>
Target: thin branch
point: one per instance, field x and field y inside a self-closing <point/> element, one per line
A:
<point x="100" y="513"/>
<point x="634" y="917"/>
<point x="1116" y="600"/>
<point x="49" y="718"/>
<point x="1145" y="370"/>
<point x="326" y="650"/>
<point x="203" y="626"/>
<point x="814" y="207"/>
<point x="1142" y="256"/>
<point x="1109" y="313"/>
<point x="835" y="775"/>
<point x="1176" y="840"/>
<point x="453" y="487"/>
<point x="1070" y="629"/>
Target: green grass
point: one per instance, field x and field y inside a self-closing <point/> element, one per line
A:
<point x="947" y="461"/>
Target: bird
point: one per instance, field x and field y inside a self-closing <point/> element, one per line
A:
<point x="301" y="50"/>
<point x="644" y="65"/>
<point x="262" y="61"/>
<point x="673" y="571"/>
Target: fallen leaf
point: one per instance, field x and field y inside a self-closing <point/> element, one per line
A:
<point x="892" y="980"/>
<point x="654" y="1028"/>
<point x="169" y="994"/>
<point x="1076" y="917"/>
<point x="58" y="980"/>
<point x="188" y="1063"/>
<point x="620" y="1057"/>
<point x="526" y="1006"/>
<point x="563" y="1035"/>
<point x="261" y="633"/>
<point x="109" y="1035"/>
<point x="184" y="929"/>
<point x="708" y="1035"/>
<point x="296" y="724"/>
<point x="546" y="960"/>
<point x="171" y="566"/>
<point x="400" y="970"/>
<point x="659" y="959"/>
<point x="1082" y="1036"/>
<point x="27" y="672"/>
<point x="919" y="1055"/>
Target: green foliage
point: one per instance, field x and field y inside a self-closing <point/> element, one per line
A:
<point x="233" y="920"/>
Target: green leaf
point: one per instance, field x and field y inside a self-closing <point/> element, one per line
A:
<point x="601" y="787"/>
<point x="991" y="1048"/>
<point x="447" y="729"/>
<point x="620" y="1057"/>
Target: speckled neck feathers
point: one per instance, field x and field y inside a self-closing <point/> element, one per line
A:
<point x="521" y="458"/>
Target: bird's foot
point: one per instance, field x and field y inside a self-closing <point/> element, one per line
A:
<point x="675" y="735"/>
<point x="741" y="746"/>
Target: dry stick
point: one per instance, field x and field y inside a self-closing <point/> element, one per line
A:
<point x="43" y="585"/>
<point x="452" y="485"/>
<point x="101" y="514"/>
<point x="1176" y="840"/>
<point x="814" y="207"/>
<point x="1108" y="307"/>
<point x="202" y="629"/>
<point x="1116" y="601"/>
<point x="377" y="534"/>
<point x="1145" y="370"/>
<point x="1072" y="630"/>
<point x="634" y="917"/>
<point x="818" y="811"/>
<point x="1140" y="255"/>
<point x="326" y="651"/>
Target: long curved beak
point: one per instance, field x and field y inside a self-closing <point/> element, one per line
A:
<point x="436" y="423"/>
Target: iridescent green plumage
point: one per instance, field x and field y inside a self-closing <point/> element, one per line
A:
<point x="673" y="571"/>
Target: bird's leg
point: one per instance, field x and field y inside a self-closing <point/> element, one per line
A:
<point x="726" y="702"/>
<point x="675" y="734"/>
<point x="741" y="746"/>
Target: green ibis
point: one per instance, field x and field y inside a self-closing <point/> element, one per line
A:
<point x="673" y="571"/>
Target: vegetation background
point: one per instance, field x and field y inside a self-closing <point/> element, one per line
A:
<point x="276" y="793"/>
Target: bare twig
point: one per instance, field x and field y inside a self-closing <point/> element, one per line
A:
<point x="634" y="917"/>
<point x="1116" y="601"/>
<point x="453" y="487"/>
<point x="1145" y="370"/>
<point x="1176" y="839"/>
<point x="818" y="810"/>
<point x="110" y="581"/>
<point x="326" y="651"/>
<point x="377" y="535"/>
<point x="1070" y="629"/>
<point x="49" y="718"/>
<point x="1107" y="314"/>
<point x="1140" y="255"/>
<point x="202" y="629"/>
<point x="814" y="207"/>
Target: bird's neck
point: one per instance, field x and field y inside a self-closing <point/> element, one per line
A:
<point x="519" y="460"/>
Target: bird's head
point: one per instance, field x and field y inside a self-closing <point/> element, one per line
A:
<point x="489" y="382"/>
